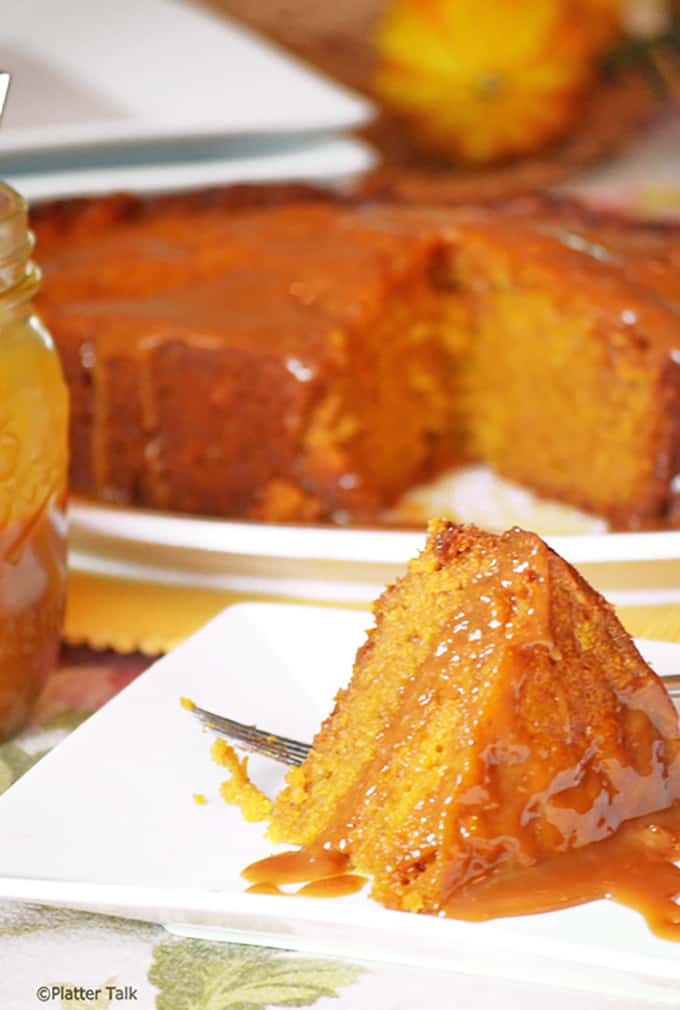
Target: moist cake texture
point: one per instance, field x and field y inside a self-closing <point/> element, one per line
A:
<point x="498" y="719"/>
<point x="284" y="355"/>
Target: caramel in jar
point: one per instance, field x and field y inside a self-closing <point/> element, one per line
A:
<point x="33" y="464"/>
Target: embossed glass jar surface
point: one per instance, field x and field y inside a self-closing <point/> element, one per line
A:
<point x="33" y="462"/>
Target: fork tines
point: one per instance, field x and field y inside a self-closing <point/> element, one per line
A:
<point x="279" y="748"/>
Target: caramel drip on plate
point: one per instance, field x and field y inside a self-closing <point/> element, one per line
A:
<point x="296" y="867"/>
<point x="333" y="887"/>
<point x="635" y="867"/>
<point x="320" y="872"/>
<point x="329" y="887"/>
<point x="265" y="888"/>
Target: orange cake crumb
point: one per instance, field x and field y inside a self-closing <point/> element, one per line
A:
<point x="255" y="806"/>
<point x="199" y="798"/>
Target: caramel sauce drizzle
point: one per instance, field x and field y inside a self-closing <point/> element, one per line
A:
<point x="265" y="887"/>
<point x="321" y="874"/>
<point x="296" y="867"/>
<point x="333" y="887"/>
<point x="635" y="867"/>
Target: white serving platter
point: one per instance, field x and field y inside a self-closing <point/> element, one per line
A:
<point x="106" y="822"/>
<point x="88" y="74"/>
<point x="352" y="564"/>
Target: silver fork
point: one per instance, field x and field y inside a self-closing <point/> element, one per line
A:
<point x="280" y="748"/>
<point x="294" y="752"/>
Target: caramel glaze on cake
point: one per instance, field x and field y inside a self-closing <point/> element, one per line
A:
<point x="502" y="747"/>
<point x="283" y="362"/>
<point x="283" y="354"/>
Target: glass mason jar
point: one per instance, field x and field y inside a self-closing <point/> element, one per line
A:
<point x="33" y="464"/>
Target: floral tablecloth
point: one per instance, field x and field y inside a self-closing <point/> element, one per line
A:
<point x="62" y="959"/>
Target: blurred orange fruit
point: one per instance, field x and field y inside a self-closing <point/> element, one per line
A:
<point x="482" y="81"/>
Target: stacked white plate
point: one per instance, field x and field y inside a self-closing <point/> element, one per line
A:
<point x="161" y="95"/>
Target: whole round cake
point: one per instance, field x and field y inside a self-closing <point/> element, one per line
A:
<point x="291" y="355"/>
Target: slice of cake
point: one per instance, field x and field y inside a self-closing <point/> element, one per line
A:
<point x="498" y="719"/>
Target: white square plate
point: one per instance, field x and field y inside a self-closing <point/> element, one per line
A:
<point x="91" y="74"/>
<point x="106" y="822"/>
